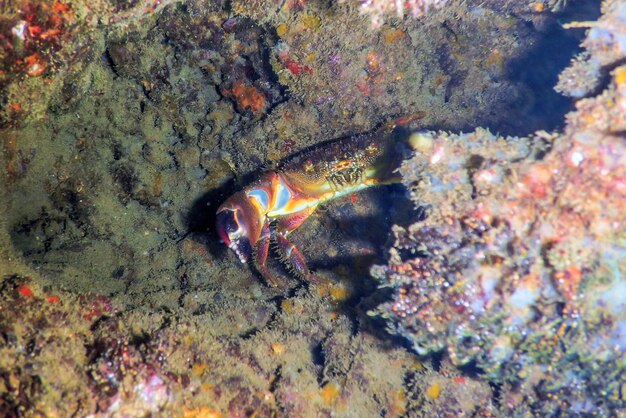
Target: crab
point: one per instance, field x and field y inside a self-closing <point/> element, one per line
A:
<point x="275" y="205"/>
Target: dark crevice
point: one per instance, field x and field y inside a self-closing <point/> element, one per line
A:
<point x="268" y="40"/>
<point x="183" y="286"/>
<point x="275" y="379"/>
<point x="474" y="163"/>
<point x="539" y="69"/>
<point x="108" y="61"/>
<point x="318" y="358"/>
<point x="250" y="333"/>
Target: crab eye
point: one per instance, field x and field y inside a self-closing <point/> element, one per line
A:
<point x="227" y="224"/>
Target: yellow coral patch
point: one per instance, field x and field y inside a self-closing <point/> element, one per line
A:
<point x="199" y="368"/>
<point x="339" y="293"/>
<point x="287" y="306"/>
<point x="188" y="340"/>
<point x="433" y="391"/>
<point x="620" y="76"/>
<point x="311" y="21"/>
<point x="281" y="29"/>
<point x="418" y="365"/>
<point x="207" y="387"/>
<point x="330" y="393"/>
<point x="421" y="142"/>
<point x="202" y="412"/>
<point x="278" y="348"/>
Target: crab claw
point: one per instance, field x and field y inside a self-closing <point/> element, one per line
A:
<point x="238" y="224"/>
<point x="230" y="231"/>
<point x="242" y="248"/>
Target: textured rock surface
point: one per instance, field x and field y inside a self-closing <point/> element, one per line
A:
<point x="124" y="124"/>
<point x="519" y="269"/>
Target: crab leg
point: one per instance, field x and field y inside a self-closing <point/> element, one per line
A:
<point x="261" y="249"/>
<point x="288" y="251"/>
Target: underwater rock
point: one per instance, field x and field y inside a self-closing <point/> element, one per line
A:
<point x="520" y="277"/>
<point x="604" y="45"/>
<point x="114" y="166"/>
<point x="447" y="392"/>
<point x="519" y="268"/>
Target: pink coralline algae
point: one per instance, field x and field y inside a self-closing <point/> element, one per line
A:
<point x="519" y="268"/>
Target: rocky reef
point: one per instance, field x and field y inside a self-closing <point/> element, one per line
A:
<point x="123" y="364"/>
<point x="518" y="270"/>
<point x="124" y="125"/>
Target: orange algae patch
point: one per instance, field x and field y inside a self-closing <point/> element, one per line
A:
<point x="568" y="281"/>
<point x="434" y="391"/>
<point x="53" y="299"/>
<point x="373" y="66"/>
<point x="281" y="29"/>
<point x="51" y="33"/>
<point x="201" y="412"/>
<point x="61" y="8"/>
<point x="537" y="180"/>
<point x="339" y="293"/>
<point x="398" y="403"/>
<point x="35" y="65"/>
<point x="199" y="368"/>
<point x="278" y="348"/>
<point x="394" y="35"/>
<point x="25" y="291"/>
<point x="248" y="97"/>
<point x="330" y="392"/>
<point x="620" y="76"/>
<point x="15" y="108"/>
<point x="60" y="13"/>
<point x="538" y="7"/>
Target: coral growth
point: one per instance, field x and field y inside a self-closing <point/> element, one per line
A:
<point x="519" y="269"/>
